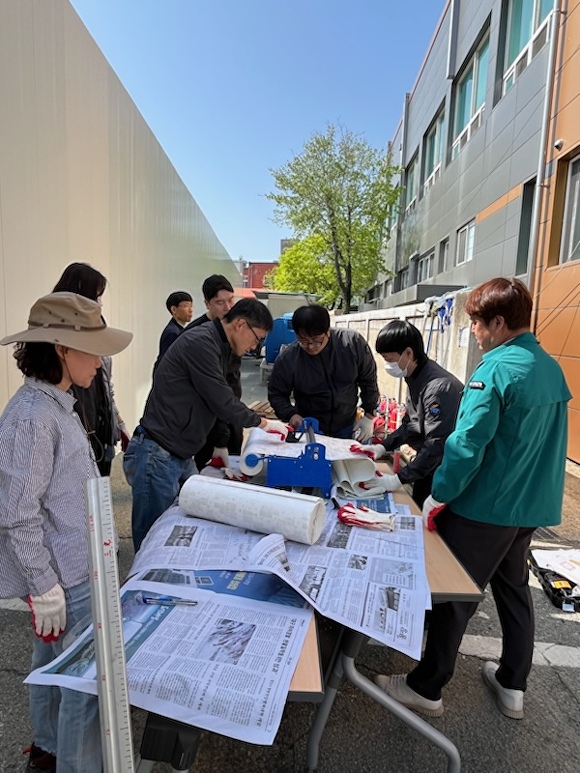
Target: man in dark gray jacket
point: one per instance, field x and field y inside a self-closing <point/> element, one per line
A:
<point x="189" y="394"/>
<point x="323" y="371"/>
<point x="430" y="411"/>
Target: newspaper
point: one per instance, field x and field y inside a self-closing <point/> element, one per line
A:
<point x="222" y="662"/>
<point x="372" y="582"/>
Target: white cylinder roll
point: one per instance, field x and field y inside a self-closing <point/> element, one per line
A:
<point x="297" y="517"/>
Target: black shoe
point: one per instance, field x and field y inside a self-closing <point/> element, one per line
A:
<point x="40" y="760"/>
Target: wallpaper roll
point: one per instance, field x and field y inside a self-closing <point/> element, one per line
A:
<point x="346" y="473"/>
<point x="297" y="517"/>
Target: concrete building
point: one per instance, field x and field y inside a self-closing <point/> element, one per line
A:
<point x="82" y="178"/>
<point x="489" y="147"/>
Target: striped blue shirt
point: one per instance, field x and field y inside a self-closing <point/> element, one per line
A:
<point x="45" y="458"/>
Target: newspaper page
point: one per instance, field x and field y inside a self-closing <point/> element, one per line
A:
<point x="373" y="582"/>
<point x="222" y="662"/>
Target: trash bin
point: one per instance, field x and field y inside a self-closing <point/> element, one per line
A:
<point x="282" y="333"/>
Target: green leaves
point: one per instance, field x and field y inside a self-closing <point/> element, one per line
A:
<point x="335" y="196"/>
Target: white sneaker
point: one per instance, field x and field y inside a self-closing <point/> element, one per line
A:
<point x="397" y="688"/>
<point x="510" y="702"/>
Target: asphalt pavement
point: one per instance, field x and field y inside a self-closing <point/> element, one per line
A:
<point x="361" y="736"/>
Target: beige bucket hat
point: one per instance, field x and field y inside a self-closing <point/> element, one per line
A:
<point x="73" y="321"/>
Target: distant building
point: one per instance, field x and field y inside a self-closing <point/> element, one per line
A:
<point x="253" y="274"/>
<point x="285" y="244"/>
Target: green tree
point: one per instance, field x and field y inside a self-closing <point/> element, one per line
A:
<point x="340" y="189"/>
<point x="307" y="267"/>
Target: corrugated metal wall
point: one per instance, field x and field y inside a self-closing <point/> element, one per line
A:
<point x="83" y="178"/>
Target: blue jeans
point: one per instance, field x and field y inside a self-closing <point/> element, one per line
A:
<point x="66" y="722"/>
<point x="156" y="477"/>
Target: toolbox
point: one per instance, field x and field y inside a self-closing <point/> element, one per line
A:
<point x="561" y="591"/>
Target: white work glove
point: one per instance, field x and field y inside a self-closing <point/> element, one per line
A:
<point x="363" y="516"/>
<point x="219" y="458"/>
<point x="48" y="613"/>
<point x="379" y="484"/>
<point x="431" y="509"/>
<point x="373" y="452"/>
<point x="276" y="428"/>
<point x="363" y="429"/>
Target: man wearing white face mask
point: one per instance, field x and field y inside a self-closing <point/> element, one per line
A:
<point x="431" y="407"/>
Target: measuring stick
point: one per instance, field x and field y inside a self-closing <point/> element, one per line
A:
<point x="114" y="710"/>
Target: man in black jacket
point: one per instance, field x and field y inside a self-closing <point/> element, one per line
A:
<point x="430" y="411"/>
<point x="189" y="394"/>
<point x="218" y="296"/>
<point x="324" y="370"/>
<point x="180" y="306"/>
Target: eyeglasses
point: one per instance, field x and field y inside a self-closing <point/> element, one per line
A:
<point x="259" y="341"/>
<point x="312" y="343"/>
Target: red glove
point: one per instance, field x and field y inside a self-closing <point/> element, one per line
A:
<point x="365" y="517"/>
<point x="277" y="428"/>
<point x="431" y="509"/>
<point x="373" y="452"/>
<point x="219" y="459"/>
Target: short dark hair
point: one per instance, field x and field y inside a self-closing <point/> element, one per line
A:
<point x="176" y="298"/>
<point x="313" y="319"/>
<point x="213" y="284"/>
<point x="38" y="359"/>
<point x="82" y="279"/>
<point x="507" y="298"/>
<point x="254" y="312"/>
<point x="397" y="336"/>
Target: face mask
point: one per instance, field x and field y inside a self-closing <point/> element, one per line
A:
<point x="394" y="370"/>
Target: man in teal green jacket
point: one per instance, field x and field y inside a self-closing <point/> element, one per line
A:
<point x="502" y="475"/>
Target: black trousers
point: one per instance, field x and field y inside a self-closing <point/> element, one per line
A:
<point x="491" y="554"/>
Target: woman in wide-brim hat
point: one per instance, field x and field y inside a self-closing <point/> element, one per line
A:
<point x="45" y="459"/>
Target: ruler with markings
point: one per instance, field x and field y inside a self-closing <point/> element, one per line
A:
<point x="114" y="708"/>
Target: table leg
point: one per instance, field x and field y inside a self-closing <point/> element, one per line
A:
<point x="403" y="713"/>
<point x="322" y="714"/>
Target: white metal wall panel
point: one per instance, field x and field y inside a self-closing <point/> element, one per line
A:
<point x="83" y="178"/>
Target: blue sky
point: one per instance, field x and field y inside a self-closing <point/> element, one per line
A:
<point x="234" y="88"/>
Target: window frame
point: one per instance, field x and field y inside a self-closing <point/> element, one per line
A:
<point x="411" y="173"/>
<point x="539" y="36"/>
<point x="571" y="213"/>
<point x="463" y="135"/>
<point x="438" y="130"/>
<point x="469" y="244"/>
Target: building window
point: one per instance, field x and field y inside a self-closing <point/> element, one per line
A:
<point x="444" y="256"/>
<point x="403" y="278"/>
<point x="527" y="33"/>
<point x="465" y="242"/>
<point x="570" y="249"/>
<point x="433" y="153"/>
<point x="425" y="267"/>
<point x="411" y="185"/>
<point x="470" y="98"/>
<point x="525" y="227"/>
